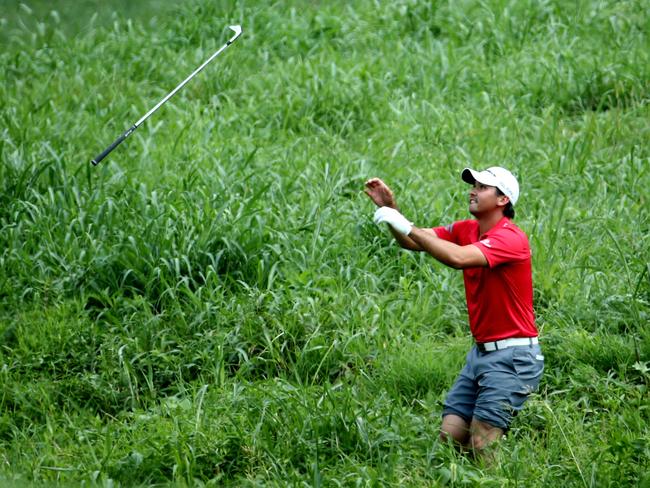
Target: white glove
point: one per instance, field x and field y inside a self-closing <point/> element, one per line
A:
<point x="393" y="218"/>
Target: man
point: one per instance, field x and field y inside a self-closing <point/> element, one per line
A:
<point x="505" y="364"/>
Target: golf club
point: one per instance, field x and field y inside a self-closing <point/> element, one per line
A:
<point x="129" y="131"/>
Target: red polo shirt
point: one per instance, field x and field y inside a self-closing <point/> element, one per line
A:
<point x="499" y="296"/>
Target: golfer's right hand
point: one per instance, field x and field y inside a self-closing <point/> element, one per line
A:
<point x="379" y="193"/>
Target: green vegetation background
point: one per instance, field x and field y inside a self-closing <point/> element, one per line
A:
<point x="212" y="304"/>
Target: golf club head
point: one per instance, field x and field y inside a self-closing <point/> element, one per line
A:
<point x="237" y="29"/>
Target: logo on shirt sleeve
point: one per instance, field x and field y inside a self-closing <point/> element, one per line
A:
<point x="486" y="243"/>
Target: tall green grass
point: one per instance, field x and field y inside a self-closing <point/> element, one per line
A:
<point x="212" y="304"/>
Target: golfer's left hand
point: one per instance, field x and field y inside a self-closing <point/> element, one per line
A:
<point x="393" y="218"/>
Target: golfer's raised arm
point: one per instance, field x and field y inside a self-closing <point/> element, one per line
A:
<point x="382" y="196"/>
<point x="453" y="255"/>
<point x="404" y="241"/>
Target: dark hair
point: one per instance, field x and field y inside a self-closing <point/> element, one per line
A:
<point x="509" y="210"/>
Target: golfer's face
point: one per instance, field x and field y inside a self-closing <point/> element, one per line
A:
<point x="482" y="198"/>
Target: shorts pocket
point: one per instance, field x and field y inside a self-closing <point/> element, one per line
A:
<point x="528" y="366"/>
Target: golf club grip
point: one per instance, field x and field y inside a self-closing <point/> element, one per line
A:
<point x="98" y="159"/>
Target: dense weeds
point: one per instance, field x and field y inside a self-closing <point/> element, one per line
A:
<point x="212" y="304"/>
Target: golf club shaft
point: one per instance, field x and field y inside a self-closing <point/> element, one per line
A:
<point x="130" y="130"/>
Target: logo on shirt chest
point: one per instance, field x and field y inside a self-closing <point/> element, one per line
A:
<point x="486" y="243"/>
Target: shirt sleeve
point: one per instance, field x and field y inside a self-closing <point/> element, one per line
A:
<point x="456" y="232"/>
<point x="445" y="233"/>
<point x="505" y="245"/>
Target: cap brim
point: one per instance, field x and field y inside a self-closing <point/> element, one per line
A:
<point x="469" y="176"/>
<point x="484" y="177"/>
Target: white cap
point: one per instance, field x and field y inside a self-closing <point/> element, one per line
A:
<point x="503" y="179"/>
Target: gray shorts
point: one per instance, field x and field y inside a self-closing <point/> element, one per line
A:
<point x="493" y="386"/>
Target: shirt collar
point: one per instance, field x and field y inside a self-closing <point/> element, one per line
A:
<point x="504" y="222"/>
